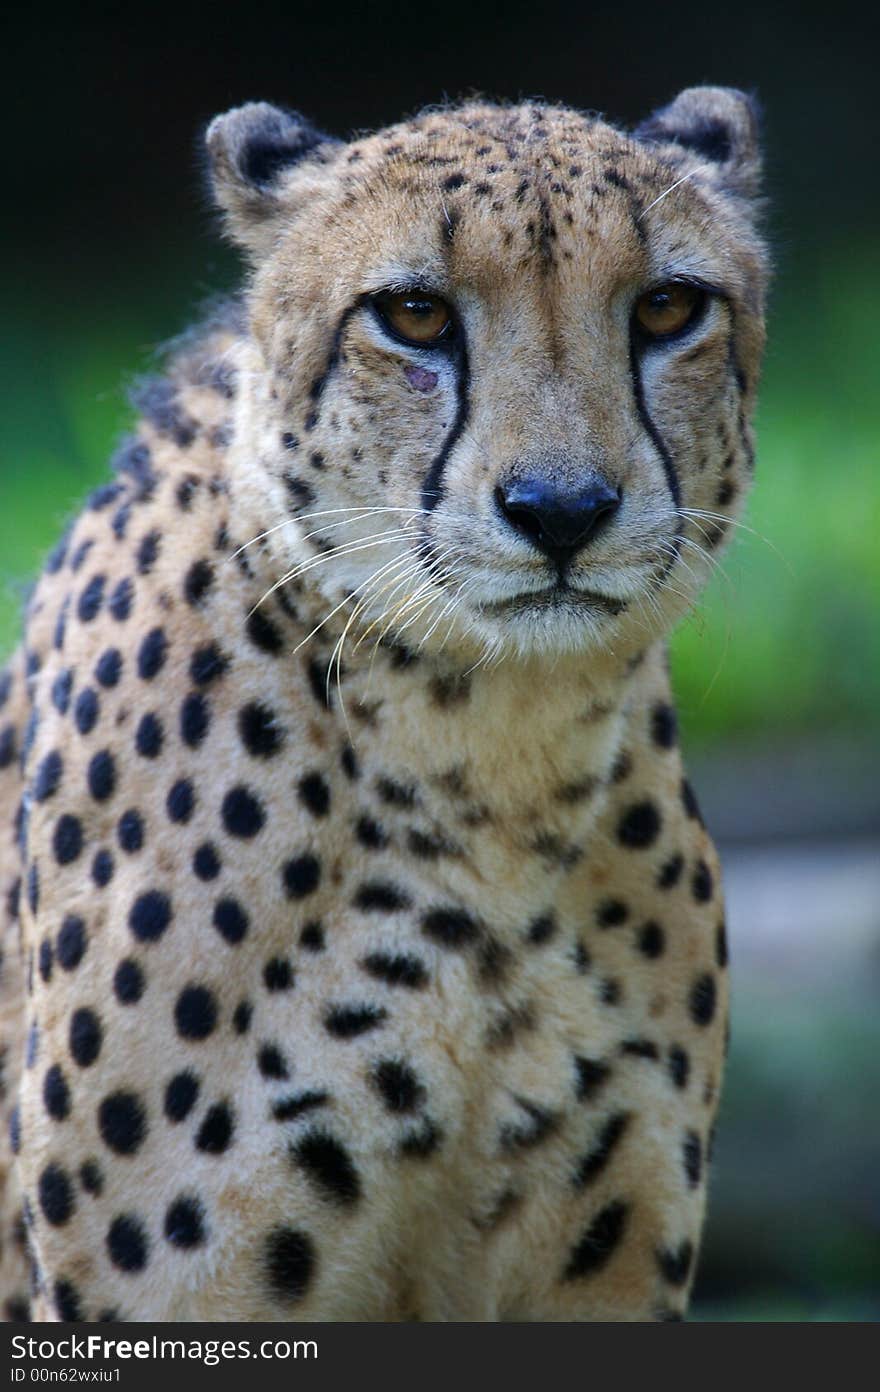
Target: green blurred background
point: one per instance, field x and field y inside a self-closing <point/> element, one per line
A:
<point x="110" y="248"/>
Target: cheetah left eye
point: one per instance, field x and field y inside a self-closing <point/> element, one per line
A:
<point x="415" y="317"/>
<point x="669" y="309"/>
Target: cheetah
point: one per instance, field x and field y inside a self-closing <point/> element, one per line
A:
<point x="364" y="948"/>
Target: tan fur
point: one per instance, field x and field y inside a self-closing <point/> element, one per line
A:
<point x="519" y="1127"/>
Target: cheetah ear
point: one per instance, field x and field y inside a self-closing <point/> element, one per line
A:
<point x="718" y="125"/>
<point x="252" y="151"/>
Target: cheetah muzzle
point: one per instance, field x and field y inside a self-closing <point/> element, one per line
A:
<point x="364" y="945"/>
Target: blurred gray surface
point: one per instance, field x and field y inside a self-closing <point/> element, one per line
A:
<point x="794" y="1211"/>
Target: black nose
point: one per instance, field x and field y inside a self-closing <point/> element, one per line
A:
<point x="557" y="518"/>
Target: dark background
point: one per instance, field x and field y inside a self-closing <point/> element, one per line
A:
<point x="109" y="245"/>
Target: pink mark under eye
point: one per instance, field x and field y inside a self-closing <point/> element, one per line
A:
<point x="421" y="378"/>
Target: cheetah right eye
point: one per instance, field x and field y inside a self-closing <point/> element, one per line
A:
<point x="415" y="317"/>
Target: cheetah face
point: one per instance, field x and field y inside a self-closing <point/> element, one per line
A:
<point x="507" y="362"/>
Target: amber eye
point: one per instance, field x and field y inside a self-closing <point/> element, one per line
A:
<point x="415" y="316"/>
<point x="668" y="309"/>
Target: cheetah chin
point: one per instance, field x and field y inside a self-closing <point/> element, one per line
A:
<point x="364" y="950"/>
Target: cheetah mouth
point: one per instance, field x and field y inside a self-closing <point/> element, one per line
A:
<point x="560" y="596"/>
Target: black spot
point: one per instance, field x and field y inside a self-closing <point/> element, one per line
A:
<point x="290" y="1263"/>
<point x="33" y="888"/>
<point x="721" y="944"/>
<point x="371" y="834"/>
<point x="542" y="929"/>
<point x="421" y="1142"/>
<point x="689" y="801"/>
<point x="264" y="634"/>
<point x="151" y="654"/>
<point x="639" y="826"/>
<point x="215" y="1133"/>
<point x="395" y="794"/>
<point x="195" y="717"/>
<point x="15" y="1130"/>
<point x="198" y="582"/>
<point x="640" y="1048"/>
<point x="692" y="1157"/>
<point x="611" y="913"/>
<point x="317" y="675"/>
<point x="312" y="937"/>
<point x="61" y="687"/>
<point x="242" y="812"/>
<point x="130" y="831"/>
<point x="329" y="1165"/>
<point x="702" y="1000"/>
<point x="206" y="862"/>
<point x="664" y="726"/>
<point x="270" y="1062"/>
<point x="186" y="490"/>
<point x="376" y="896"/>
<point x="184" y="1223"/>
<point x="241" y="1018"/>
<point x="651" y="940"/>
<point x="7" y="746"/>
<point x="45" y="960"/>
<point x="207" y="665"/>
<point x="609" y="991"/>
<point x="48" y="776"/>
<point x="148" y="551"/>
<point x="347" y="1021"/>
<point x="278" y="974"/>
<point x="71" y="942"/>
<point x="259" y="730"/>
<point x="128" y="982"/>
<point x="451" y="928"/>
<point x="91" y="599"/>
<point x="127" y="1243"/>
<point x="101" y="775"/>
<point x="102" y="868"/>
<point x="230" y="920"/>
<point x="599" y="1242"/>
<point x="595" y="1161"/>
<point x="180" y="801"/>
<point x="289" y="1108"/>
<point x="301" y="876"/>
<point x="679" y="1066"/>
<point x="67" y="839"/>
<point x="120" y="600"/>
<point x="195" y="1013"/>
<point x="55" y="1192"/>
<point x="181" y="1094"/>
<point x="150" y="915"/>
<point x="314" y="794"/>
<point x="122" y="1122"/>
<point x="397" y="969"/>
<point x="675" y="1262"/>
<point x="349" y="762"/>
<point x="149" y="736"/>
<point x="108" y="668"/>
<point x="91" y="1178"/>
<point x="702" y="884"/>
<point x="398" y="1085"/>
<point x="670" y="872"/>
<point x="86" y="1037"/>
<point x="591" y="1075"/>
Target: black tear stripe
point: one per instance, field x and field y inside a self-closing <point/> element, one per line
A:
<point x="653" y="433"/>
<point x="431" y="491"/>
<point x="316" y="390"/>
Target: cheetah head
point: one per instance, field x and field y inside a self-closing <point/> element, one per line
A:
<point x="504" y="362"/>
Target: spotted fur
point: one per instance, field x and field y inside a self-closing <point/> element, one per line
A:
<point x="386" y="981"/>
